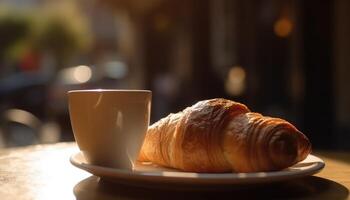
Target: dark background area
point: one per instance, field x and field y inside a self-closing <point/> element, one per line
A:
<point x="287" y="59"/>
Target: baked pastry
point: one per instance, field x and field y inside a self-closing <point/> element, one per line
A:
<point x="220" y="135"/>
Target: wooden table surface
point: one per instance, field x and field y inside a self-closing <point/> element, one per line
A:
<point x="44" y="172"/>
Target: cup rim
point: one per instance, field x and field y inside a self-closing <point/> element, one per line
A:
<point x="109" y="90"/>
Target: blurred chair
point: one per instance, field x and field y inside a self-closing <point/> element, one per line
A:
<point x="19" y="128"/>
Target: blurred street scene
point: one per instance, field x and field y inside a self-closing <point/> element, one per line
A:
<point x="287" y="59"/>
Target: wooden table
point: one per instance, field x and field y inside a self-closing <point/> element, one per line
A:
<point x="44" y="172"/>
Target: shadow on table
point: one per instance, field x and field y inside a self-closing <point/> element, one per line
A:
<point x="305" y="188"/>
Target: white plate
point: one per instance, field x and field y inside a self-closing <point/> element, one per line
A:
<point x="151" y="176"/>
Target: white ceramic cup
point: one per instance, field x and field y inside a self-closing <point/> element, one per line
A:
<point x="109" y="125"/>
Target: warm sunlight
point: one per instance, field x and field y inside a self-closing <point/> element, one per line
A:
<point x="54" y="166"/>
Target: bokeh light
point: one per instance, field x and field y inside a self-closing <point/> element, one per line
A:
<point x="283" y="27"/>
<point x="235" y="83"/>
<point x="82" y="74"/>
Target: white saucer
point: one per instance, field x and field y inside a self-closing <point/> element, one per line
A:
<point x="150" y="175"/>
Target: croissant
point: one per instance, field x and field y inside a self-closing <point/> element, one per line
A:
<point x="220" y="135"/>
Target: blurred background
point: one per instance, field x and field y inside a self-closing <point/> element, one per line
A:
<point x="288" y="59"/>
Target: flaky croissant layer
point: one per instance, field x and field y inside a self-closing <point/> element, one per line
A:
<point x="220" y="135"/>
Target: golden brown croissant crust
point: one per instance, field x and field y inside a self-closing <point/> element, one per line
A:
<point x="220" y="135"/>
